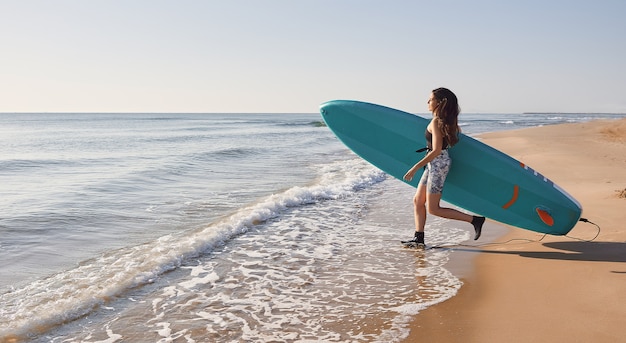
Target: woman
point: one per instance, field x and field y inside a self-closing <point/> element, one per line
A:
<point x="441" y="134"/>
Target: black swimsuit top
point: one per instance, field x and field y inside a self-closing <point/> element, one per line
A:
<point x="429" y="140"/>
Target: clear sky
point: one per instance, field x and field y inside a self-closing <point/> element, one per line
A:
<point x="279" y="56"/>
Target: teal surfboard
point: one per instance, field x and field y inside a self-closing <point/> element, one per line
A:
<point x="482" y="179"/>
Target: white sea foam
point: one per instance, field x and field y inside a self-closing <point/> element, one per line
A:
<point x="296" y="279"/>
<point x="74" y="293"/>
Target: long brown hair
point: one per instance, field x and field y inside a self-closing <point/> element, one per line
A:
<point x="447" y="113"/>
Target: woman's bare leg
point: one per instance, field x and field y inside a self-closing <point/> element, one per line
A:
<point x="419" y="208"/>
<point x="434" y="208"/>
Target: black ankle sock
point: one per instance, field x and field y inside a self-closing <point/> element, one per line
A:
<point x="419" y="236"/>
<point x="478" y="225"/>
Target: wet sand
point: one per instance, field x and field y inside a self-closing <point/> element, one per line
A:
<point x="553" y="288"/>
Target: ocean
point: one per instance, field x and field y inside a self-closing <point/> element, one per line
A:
<point x="211" y="228"/>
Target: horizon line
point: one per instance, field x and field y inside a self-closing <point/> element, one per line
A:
<point x="416" y="113"/>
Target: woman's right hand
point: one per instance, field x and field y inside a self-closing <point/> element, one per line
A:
<point x="409" y="175"/>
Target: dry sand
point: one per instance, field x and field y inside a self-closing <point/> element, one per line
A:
<point x="555" y="289"/>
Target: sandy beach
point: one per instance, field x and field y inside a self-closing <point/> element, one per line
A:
<point x="531" y="288"/>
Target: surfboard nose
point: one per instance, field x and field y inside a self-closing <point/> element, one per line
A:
<point x="326" y="109"/>
<point x="328" y="106"/>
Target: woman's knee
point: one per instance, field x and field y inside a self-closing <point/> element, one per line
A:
<point x="433" y="208"/>
<point x="419" y="200"/>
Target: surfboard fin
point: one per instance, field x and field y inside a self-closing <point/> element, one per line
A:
<point x="545" y="216"/>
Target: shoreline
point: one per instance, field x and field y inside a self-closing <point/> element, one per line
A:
<point x="552" y="288"/>
<point x="462" y="261"/>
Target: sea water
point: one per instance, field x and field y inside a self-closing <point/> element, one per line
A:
<point x="211" y="228"/>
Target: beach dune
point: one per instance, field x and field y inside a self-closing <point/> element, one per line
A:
<point x="531" y="288"/>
